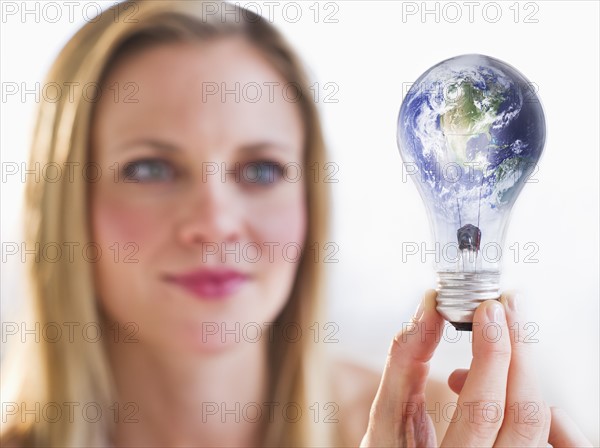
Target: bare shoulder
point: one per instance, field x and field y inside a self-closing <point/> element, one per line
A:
<point x="355" y="389"/>
<point x="439" y="396"/>
<point x="12" y="441"/>
<point x="356" y="381"/>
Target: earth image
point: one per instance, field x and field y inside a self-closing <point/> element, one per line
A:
<point x="472" y="128"/>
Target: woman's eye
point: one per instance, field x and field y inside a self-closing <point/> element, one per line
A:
<point x="148" y="170"/>
<point x="262" y="172"/>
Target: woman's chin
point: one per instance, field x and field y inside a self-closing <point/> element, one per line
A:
<point x="213" y="338"/>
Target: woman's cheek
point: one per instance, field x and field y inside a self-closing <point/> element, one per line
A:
<point x="125" y="223"/>
<point x="283" y="224"/>
<point x="127" y="236"/>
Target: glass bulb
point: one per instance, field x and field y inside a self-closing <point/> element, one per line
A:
<point x="471" y="130"/>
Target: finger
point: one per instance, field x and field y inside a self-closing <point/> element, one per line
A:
<point x="480" y="405"/>
<point x="400" y="396"/>
<point x="564" y="432"/>
<point x="457" y="379"/>
<point x="526" y="411"/>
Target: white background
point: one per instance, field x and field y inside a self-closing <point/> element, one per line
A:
<point x="373" y="52"/>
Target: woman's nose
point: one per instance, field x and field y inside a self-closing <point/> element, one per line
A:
<point x="213" y="215"/>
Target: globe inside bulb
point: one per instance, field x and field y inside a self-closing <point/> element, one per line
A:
<point x="471" y="130"/>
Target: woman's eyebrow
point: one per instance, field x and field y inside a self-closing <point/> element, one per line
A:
<point x="153" y="143"/>
<point x="261" y="146"/>
<point x="168" y="147"/>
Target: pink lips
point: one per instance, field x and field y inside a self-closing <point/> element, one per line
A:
<point x="211" y="283"/>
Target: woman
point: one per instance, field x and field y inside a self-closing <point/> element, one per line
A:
<point x="189" y="198"/>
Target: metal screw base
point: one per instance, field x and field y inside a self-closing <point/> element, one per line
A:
<point x="460" y="293"/>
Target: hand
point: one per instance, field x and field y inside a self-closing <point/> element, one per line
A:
<point x="499" y="402"/>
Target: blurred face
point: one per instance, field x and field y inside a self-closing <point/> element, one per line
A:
<point x="198" y="224"/>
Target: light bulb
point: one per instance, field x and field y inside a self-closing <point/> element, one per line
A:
<point x="471" y="130"/>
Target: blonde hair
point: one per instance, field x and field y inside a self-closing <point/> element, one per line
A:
<point x="56" y="212"/>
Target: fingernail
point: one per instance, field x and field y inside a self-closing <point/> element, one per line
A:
<point x="495" y="312"/>
<point x="419" y="313"/>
